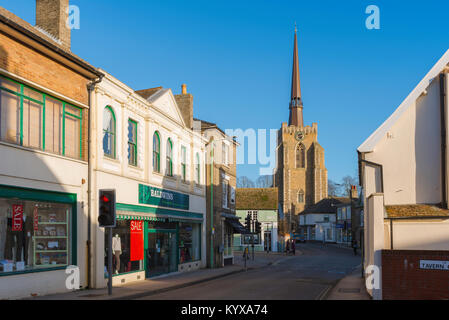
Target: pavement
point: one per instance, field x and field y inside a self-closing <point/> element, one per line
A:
<point x="172" y="281"/>
<point x="351" y="287"/>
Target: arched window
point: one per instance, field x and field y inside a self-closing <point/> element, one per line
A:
<point x="169" y="157"/>
<point x="301" y="196"/>
<point x="300" y="156"/>
<point x="109" y="132"/>
<point x="197" y="168"/>
<point x="156" y="152"/>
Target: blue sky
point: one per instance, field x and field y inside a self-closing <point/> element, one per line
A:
<point x="236" y="59"/>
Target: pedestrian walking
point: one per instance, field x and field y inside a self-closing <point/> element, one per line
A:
<point x="294" y="247"/>
<point x="287" y="247"/>
<point x="354" y="246"/>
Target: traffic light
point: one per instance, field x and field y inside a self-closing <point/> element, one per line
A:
<point x="106" y="214"/>
<point x="258" y="227"/>
<point x="248" y="223"/>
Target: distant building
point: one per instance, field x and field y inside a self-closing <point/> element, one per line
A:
<point x="403" y="169"/>
<point x="261" y="205"/>
<point x="318" y="222"/>
<point x="300" y="174"/>
<point x="349" y="224"/>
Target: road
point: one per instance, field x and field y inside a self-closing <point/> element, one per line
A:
<point x="303" y="277"/>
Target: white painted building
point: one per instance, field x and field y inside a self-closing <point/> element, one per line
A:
<point x="146" y="151"/>
<point x="403" y="170"/>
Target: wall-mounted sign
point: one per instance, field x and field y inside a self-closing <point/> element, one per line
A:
<point x="163" y="198"/>
<point x="434" y="265"/>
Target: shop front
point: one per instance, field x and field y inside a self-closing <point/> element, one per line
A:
<point x="152" y="241"/>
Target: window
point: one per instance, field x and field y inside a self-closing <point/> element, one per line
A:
<point x="169" y="162"/>
<point x="183" y="163"/>
<point x="189" y="242"/>
<point x="225" y="154"/>
<point x="109" y="132"/>
<point x="343" y="214"/>
<point x="301" y="196"/>
<point x="35" y="235"/>
<point x="300" y="156"/>
<point x="224" y="192"/>
<point x="132" y="142"/>
<point x="33" y="119"/>
<point x="156" y="152"/>
<point x="326" y="218"/>
<point x="197" y="168"/>
<point x="339" y="214"/>
<point x="121" y="249"/>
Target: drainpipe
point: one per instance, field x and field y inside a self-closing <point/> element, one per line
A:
<point x="90" y="88"/>
<point x="443" y="139"/>
<point x="212" y="207"/>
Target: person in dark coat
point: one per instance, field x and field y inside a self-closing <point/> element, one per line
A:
<point x="293" y="247"/>
<point x="287" y="247"/>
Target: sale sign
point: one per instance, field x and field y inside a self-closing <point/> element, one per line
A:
<point x="17" y="217"/>
<point x="35" y="219"/>
<point x="136" y="230"/>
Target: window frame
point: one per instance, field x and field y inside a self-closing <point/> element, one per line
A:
<point x="183" y="163"/>
<point x="134" y="143"/>
<point x="169" y="157"/>
<point x="22" y="96"/>
<point x="197" y="168"/>
<point x="300" y="156"/>
<point x="157" y="153"/>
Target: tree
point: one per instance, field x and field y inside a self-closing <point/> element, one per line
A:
<point x="244" y="182"/>
<point x="333" y="188"/>
<point x="265" y="181"/>
<point x="347" y="182"/>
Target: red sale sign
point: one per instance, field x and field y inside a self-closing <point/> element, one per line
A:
<point x="136" y="229"/>
<point x="17" y="217"/>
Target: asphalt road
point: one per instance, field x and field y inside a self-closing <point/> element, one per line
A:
<point x="303" y="277"/>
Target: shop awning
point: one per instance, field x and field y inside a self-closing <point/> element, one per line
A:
<point x="237" y="226"/>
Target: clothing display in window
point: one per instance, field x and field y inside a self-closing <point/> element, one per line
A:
<point x="117" y="250"/>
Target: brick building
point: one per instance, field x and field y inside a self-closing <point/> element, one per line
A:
<point x="44" y="118"/>
<point x="300" y="175"/>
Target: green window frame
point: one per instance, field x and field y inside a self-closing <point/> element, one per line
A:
<point x="183" y="163"/>
<point x="156" y="152"/>
<point x="111" y="134"/>
<point x="24" y="93"/>
<point x="132" y="142"/>
<point x="169" y="157"/>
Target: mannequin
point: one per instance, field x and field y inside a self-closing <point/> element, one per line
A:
<point x="9" y="243"/>
<point x="117" y="251"/>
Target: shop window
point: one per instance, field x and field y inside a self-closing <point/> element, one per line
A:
<point x="132" y="143"/>
<point x="189" y="242"/>
<point x="122" y="260"/>
<point x="34" y="235"/>
<point x="109" y="132"/>
<point x="35" y="120"/>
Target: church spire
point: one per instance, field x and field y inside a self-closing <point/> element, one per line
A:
<point x="296" y="118"/>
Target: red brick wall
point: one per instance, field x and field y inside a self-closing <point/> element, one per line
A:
<point x="402" y="277"/>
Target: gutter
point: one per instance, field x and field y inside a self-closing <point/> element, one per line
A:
<point x="90" y="88"/>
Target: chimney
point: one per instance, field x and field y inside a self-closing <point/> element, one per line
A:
<point x="52" y="16"/>
<point x="354" y="194"/>
<point x="185" y="104"/>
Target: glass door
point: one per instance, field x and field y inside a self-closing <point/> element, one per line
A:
<point x="161" y="253"/>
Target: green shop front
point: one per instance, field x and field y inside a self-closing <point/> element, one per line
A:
<point x="158" y="236"/>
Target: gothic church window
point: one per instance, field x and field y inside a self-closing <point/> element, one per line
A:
<point x="300" y="156"/>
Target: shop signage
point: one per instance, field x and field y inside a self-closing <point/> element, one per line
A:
<point x="136" y="231"/>
<point x="163" y="198"/>
<point x="340" y="226"/>
<point x="17" y="217"/>
<point x="434" y="265"/>
<point x="35" y="219"/>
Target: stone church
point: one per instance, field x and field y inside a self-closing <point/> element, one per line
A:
<point x="300" y="175"/>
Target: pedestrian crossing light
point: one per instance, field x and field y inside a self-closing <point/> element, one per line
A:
<point x="106" y="214"/>
<point x="248" y="223"/>
<point x="258" y="227"/>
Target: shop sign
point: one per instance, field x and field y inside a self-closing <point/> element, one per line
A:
<point x="35" y="219"/>
<point x="163" y="198"/>
<point x="434" y="265"/>
<point x="340" y="226"/>
<point x="136" y="231"/>
<point x="17" y="217"/>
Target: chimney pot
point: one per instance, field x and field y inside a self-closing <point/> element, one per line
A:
<point x="184" y="89"/>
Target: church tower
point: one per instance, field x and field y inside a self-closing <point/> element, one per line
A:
<point x="300" y="175"/>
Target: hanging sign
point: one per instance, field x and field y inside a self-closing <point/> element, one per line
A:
<point x="17" y="217"/>
<point x="434" y="265"/>
<point x="136" y="230"/>
<point x="35" y="219"/>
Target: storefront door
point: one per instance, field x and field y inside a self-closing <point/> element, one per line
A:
<point x="267" y="241"/>
<point x="161" y="253"/>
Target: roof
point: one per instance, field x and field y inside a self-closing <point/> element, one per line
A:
<point x="40" y="36"/>
<point x="376" y="136"/>
<point x="256" y="199"/>
<point x="328" y="205"/>
<point x="208" y="125"/>
<point x="146" y="93"/>
<point x="416" y="210"/>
